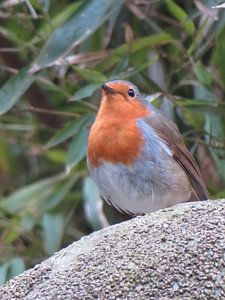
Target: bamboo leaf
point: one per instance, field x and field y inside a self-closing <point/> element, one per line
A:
<point x="181" y="16"/>
<point x="84" y="92"/>
<point x="136" y="45"/>
<point x="11" y="268"/>
<point x="27" y="197"/>
<point x="14" y="88"/>
<point x="202" y="75"/>
<point x="68" y="131"/>
<point x="78" y="146"/>
<point x="197" y="105"/>
<point x="53" y="226"/>
<point x="91" y="75"/>
<point x="86" y="20"/>
<point x="219" y="53"/>
<point x="91" y="204"/>
<point x="56" y="21"/>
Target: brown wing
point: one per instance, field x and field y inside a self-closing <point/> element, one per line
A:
<point x="169" y="132"/>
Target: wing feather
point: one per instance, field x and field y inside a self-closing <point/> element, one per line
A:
<point x="169" y="133"/>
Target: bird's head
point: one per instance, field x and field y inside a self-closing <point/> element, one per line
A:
<point x="115" y="136"/>
<point x="120" y="89"/>
<point x="121" y="96"/>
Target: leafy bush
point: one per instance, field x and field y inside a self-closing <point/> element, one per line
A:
<point x="54" y="55"/>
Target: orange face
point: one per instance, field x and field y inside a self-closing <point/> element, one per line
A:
<point x="114" y="136"/>
<point x="120" y="100"/>
<point x="120" y="96"/>
<point x="123" y="88"/>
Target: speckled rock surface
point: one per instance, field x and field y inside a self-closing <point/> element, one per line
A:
<point x="177" y="253"/>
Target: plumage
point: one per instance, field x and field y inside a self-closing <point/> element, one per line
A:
<point x="137" y="156"/>
<point x="115" y="130"/>
<point x="168" y="131"/>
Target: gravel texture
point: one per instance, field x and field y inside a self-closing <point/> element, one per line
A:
<point x="176" y="253"/>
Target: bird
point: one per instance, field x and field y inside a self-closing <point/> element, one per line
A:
<point x="137" y="156"/>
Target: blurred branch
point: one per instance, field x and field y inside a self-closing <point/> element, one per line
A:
<point x="219" y="6"/>
<point x="207" y="11"/>
<point x="82" y="58"/>
<point x="48" y="111"/>
<point x="31" y="9"/>
<point x="9" y="50"/>
<point x="8" y="3"/>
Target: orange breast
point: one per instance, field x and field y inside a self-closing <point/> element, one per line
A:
<point x="115" y="137"/>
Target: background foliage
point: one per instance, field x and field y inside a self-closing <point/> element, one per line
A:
<point x="53" y="57"/>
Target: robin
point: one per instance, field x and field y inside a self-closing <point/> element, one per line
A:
<point x="136" y="155"/>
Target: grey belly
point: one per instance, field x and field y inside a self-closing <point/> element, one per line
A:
<point x="144" y="187"/>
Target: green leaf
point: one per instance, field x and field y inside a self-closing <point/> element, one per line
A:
<point x="86" y="20"/>
<point x="195" y="119"/>
<point x="11" y="268"/>
<point x="209" y="108"/>
<point x="4" y="270"/>
<point x="68" y="131"/>
<point x="202" y="75"/>
<point x="17" y="266"/>
<point x="85" y="92"/>
<point x="78" y="146"/>
<point x="50" y="86"/>
<point x="53" y="227"/>
<point x="28" y="222"/>
<point x="181" y="16"/>
<point x="57" y="156"/>
<point x="6" y="159"/>
<point x="152" y="97"/>
<point x="134" y="71"/>
<point x="219" y="53"/>
<point x="11" y="35"/>
<point x="214" y="126"/>
<point x="35" y="199"/>
<point x="12" y="234"/>
<point x="91" y="75"/>
<point x="56" y="21"/>
<point x="14" y="88"/>
<point x="149" y="41"/>
<point x="136" y="45"/>
<point x="59" y="193"/>
<point x="121" y="66"/>
<point x="77" y="150"/>
<point x="46" y="5"/>
<point x="91" y="204"/>
<point x="29" y="196"/>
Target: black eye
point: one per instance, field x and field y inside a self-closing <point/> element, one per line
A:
<point x="131" y="92"/>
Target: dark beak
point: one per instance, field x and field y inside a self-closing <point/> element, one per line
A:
<point x="107" y="89"/>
